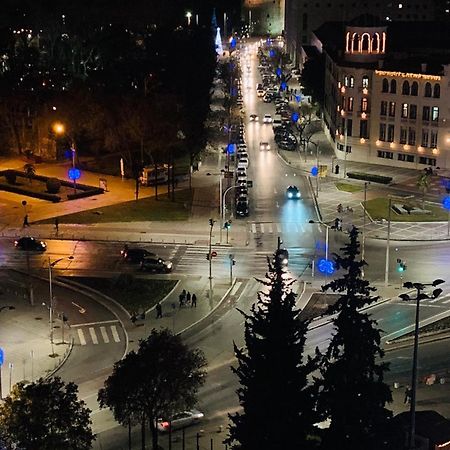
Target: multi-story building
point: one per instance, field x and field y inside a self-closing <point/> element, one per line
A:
<point x="266" y="16"/>
<point x="387" y="91"/>
<point x="302" y="17"/>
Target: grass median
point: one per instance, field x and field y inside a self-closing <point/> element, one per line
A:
<point x="144" y="210"/>
<point x="347" y="187"/>
<point x="136" y="295"/>
<point x="378" y="209"/>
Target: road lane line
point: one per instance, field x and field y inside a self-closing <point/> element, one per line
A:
<point x="261" y="225"/>
<point x="270" y="227"/>
<point x="93" y="335"/>
<point x="236" y="287"/>
<point x="86" y="324"/>
<point x="253" y="227"/>
<point x="104" y="335"/>
<point x="115" y="334"/>
<point x="81" y="336"/>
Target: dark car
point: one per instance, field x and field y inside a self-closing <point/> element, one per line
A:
<point x="293" y="192"/>
<point x="135" y="255"/>
<point x="242" y="209"/>
<point x="282" y="256"/>
<point x="156" y="265"/>
<point x="287" y="145"/>
<point x="30" y="244"/>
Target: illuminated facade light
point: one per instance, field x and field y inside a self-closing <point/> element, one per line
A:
<point x="363" y="115"/>
<point x="341" y="136"/>
<point x="417" y="76"/>
<point x="343" y="89"/>
<point x="406" y="147"/>
<point x="362" y="140"/>
<point x="342" y="113"/>
<point x="339" y="84"/>
<point x="365" y="91"/>
<point x="392" y="145"/>
<point x="435" y="151"/>
<point x="377" y="142"/>
<point x="420" y="149"/>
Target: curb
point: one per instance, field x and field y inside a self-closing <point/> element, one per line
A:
<point x="219" y="303"/>
<point x="426" y="338"/>
<point x="315" y="201"/>
<point x="62" y="362"/>
<point x="164" y="299"/>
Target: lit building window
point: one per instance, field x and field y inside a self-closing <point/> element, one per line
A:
<point x="365" y="81"/>
<point x="391" y="109"/>
<point x="352" y="82"/>
<point x="405" y="110"/>
<point x="435" y="113"/>
<point x="364" y="105"/>
<point x="350" y="104"/>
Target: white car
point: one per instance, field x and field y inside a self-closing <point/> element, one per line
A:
<point x="264" y="146"/>
<point x="243" y="162"/>
<point x="242" y="180"/>
<point x="260" y="92"/>
<point x="267" y="118"/>
<point x="179" y="420"/>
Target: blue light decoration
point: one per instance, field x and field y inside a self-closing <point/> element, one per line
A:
<point x="446" y="202"/>
<point x="68" y="153"/>
<point x="278" y="72"/>
<point x="326" y="266"/>
<point x="231" y="149"/>
<point x="283" y="86"/>
<point x="234" y="91"/>
<point x="2" y="356"/>
<point x="295" y="117"/>
<point x="233" y="43"/>
<point x="272" y="53"/>
<point x="298" y="97"/>
<point x="74" y="173"/>
<point x="446" y="184"/>
<point x="314" y="171"/>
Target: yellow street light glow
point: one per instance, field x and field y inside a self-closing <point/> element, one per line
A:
<point x="59" y="128"/>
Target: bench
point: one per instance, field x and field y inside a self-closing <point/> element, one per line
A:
<point x="399" y="209"/>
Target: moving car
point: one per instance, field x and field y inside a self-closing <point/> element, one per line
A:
<point x="254" y="118"/>
<point x="30" y="244"/>
<point x="156" y="265"/>
<point x="282" y="256"/>
<point x="267" y="118"/>
<point x="264" y="146"/>
<point x="135" y="255"/>
<point x="179" y="420"/>
<point x="293" y="192"/>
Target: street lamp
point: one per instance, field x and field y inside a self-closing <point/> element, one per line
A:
<point x="419" y="287"/>
<point x="50" y="281"/>
<point x="60" y="129"/>
<point x="188" y="17"/>
<point x="317" y="144"/>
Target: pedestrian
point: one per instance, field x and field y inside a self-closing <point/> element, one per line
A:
<point x="407" y="399"/>
<point x="180" y="300"/>
<point x="158" y="311"/>
<point x="339" y="208"/>
<point x="336" y="224"/>
<point x="183" y="293"/>
<point x="194" y="301"/>
<point x="339" y="224"/>
<point x="188" y="297"/>
<point x="25" y="221"/>
<point x="56" y="225"/>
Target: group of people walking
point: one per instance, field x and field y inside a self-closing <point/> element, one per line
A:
<point x="185" y="298"/>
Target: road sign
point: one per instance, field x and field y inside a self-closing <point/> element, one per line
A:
<point x="326" y="266"/>
<point x="213" y="253"/>
<point x="314" y="171"/>
<point x="2" y="356"/>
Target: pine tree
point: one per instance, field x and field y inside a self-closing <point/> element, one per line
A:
<point x="353" y="394"/>
<point x="274" y="392"/>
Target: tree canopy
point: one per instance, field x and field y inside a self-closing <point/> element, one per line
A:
<point x="45" y="415"/>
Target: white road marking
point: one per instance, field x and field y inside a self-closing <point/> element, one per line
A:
<point x="253" y="227"/>
<point x="104" y="335"/>
<point x="81" y="310"/>
<point x="115" y="334"/>
<point x="278" y="227"/>
<point x="81" y="336"/>
<point x="236" y="287"/>
<point x="261" y="225"/>
<point x="269" y="226"/>
<point x="93" y="335"/>
<point x="86" y="324"/>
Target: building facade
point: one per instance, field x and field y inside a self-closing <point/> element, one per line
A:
<point x="382" y="104"/>
<point x="266" y="16"/>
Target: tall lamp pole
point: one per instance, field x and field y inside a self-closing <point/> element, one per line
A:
<point x="211" y="226"/>
<point x="363" y="244"/>
<point x="420" y="295"/>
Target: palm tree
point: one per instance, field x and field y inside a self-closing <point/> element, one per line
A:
<point x="30" y="171"/>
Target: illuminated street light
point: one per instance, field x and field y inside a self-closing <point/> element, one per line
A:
<point x="188" y="17"/>
<point x="59" y="128"/>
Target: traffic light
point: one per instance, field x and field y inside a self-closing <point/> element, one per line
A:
<point x="401" y="265"/>
<point x="207" y="256"/>
<point x="211" y="222"/>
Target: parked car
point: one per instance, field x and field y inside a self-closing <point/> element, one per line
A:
<point x="242" y="209"/>
<point x="156" y="265"/>
<point x="267" y="118"/>
<point x="180" y="420"/>
<point x="135" y="255"/>
<point x="29" y="243"/>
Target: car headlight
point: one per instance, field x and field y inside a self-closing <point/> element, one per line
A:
<point x="169" y="265"/>
<point x="268" y="147"/>
<point x="298" y="194"/>
<point x="284" y="261"/>
<point x="290" y="194"/>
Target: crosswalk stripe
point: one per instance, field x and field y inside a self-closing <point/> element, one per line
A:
<point x="104" y="335"/>
<point x="270" y="227"/>
<point x="93" y="335"/>
<point x="446" y="301"/>
<point x="261" y="225"/>
<point x="253" y="227"/>
<point x="115" y="334"/>
<point x="278" y="227"/>
<point x="81" y="336"/>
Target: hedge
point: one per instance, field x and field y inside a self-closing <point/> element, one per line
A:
<point x="18" y="190"/>
<point x="369" y="177"/>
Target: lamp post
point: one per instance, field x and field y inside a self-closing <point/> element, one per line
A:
<point x="317" y="144"/>
<point x="211" y="226"/>
<point x="60" y="129"/>
<point x="188" y="17"/>
<point x="50" y="288"/>
<point x="420" y="295"/>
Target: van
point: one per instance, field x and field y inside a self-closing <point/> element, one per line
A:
<point x="151" y="175"/>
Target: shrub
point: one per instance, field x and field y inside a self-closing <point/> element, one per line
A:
<point x="10" y="177"/>
<point x="53" y="185"/>
<point x="369" y="177"/>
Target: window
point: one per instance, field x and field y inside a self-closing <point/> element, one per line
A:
<point x="425" y="135"/>
<point x="343" y="102"/>
<point x="436" y="91"/>
<point x="412" y="136"/>
<point x="434" y="139"/>
<point x="403" y="135"/>
<point x="427" y="161"/>
<point x="393" y="87"/>
<point x="413" y="111"/>
<point x="365" y="81"/>
<point x="427" y="90"/>
<point x="426" y="113"/>
<point x="405" y="157"/>
<point x="386" y="155"/>
<point x="435" y="113"/>
<point x="352" y="82"/>
<point x="349" y="127"/>
<point x="391" y="109"/>
<point x="404" y="110"/>
<point x="385" y="85"/>
<point x="350" y="104"/>
<point x="405" y="88"/>
<point x="382" y="135"/>
<point x="364" y="105"/>
<point x="363" y="129"/>
<point x="383" y="108"/>
<point x="414" y="88"/>
<point x="346" y="81"/>
<point x="390" y="133"/>
<point x="365" y="39"/>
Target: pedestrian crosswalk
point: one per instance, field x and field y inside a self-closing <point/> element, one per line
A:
<point x="277" y="227"/>
<point x="443" y="299"/>
<point x="95" y="335"/>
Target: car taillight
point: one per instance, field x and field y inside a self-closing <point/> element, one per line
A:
<point x="165" y="424"/>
